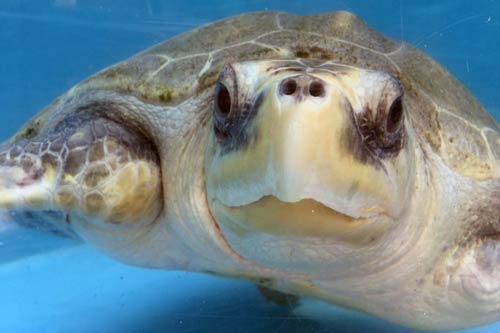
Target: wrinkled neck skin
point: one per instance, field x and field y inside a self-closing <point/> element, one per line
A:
<point x="447" y="279"/>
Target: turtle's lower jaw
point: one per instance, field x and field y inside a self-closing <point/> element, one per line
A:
<point x="304" y="218"/>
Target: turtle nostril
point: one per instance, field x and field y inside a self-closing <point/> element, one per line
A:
<point x="316" y="89"/>
<point x="288" y="87"/>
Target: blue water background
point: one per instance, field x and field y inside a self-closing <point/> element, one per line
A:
<point x="55" y="285"/>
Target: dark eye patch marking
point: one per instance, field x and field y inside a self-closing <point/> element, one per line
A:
<point x="353" y="139"/>
<point x="368" y="138"/>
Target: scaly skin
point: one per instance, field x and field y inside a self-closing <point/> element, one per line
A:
<point x="91" y="166"/>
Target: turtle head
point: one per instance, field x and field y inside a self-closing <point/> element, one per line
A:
<point x="305" y="152"/>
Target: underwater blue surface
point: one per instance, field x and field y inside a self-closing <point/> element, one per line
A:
<point x="51" y="284"/>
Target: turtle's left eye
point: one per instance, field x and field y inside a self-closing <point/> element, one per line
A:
<point x="225" y="103"/>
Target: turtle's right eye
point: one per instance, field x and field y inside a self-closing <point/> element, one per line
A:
<point x="223" y="104"/>
<point x="395" y="116"/>
<point x="222" y="100"/>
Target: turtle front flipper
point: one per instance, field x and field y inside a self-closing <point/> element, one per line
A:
<point x="93" y="169"/>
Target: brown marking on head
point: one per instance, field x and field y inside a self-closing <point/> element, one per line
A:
<point x="355" y="140"/>
<point x="313" y="52"/>
<point x="372" y="138"/>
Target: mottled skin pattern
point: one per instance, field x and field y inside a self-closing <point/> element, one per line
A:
<point x="122" y="155"/>
<point x="97" y="162"/>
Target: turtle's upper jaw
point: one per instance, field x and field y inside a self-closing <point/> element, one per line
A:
<point x="296" y="138"/>
<point x="291" y="189"/>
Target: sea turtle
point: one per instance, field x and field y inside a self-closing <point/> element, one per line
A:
<point x="309" y="154"/>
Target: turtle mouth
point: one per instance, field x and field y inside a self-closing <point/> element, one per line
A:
<point x="305" y="217"/>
